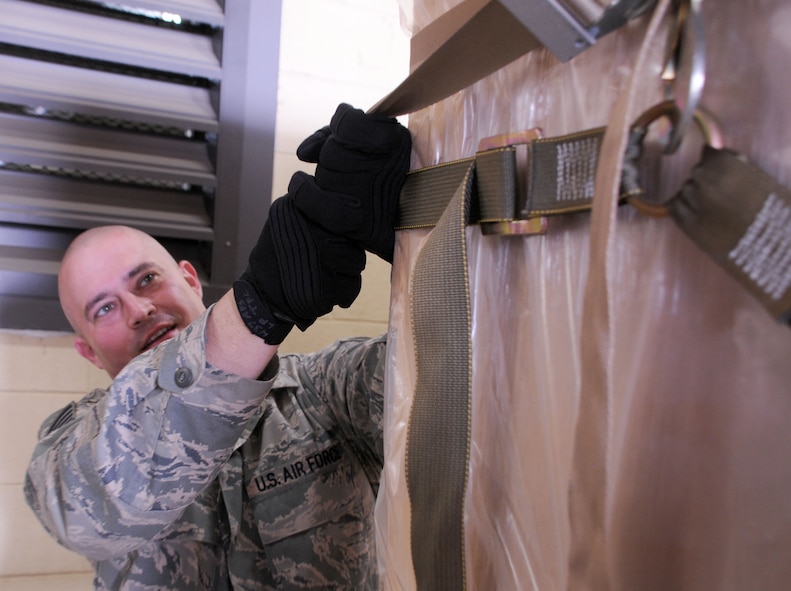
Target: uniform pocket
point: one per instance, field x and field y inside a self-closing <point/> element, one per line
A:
<point x="315" y="519"/>
<point x="300" y="495"/>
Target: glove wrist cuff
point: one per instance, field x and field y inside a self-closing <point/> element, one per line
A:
<point x="257" y="316"/>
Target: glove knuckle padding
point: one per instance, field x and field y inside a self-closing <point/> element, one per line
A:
<point x="345" y="272"/>
<point x="298" y="255"/>
<point x="336" y="212"/>
<point x="318" y="268"/>
<point x="365" y="133"/>
<point x="366" y="158"/>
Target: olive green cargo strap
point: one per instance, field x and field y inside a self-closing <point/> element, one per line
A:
<point x="741" y="218"/>
<point x="520" y="181"/>
<point x="491" y="189"/>
<point x="437" y="448"/>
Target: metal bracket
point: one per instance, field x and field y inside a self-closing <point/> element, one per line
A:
<point x="568" y="27"/>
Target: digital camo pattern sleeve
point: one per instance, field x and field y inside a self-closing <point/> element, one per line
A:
<point x="115" y="469"/>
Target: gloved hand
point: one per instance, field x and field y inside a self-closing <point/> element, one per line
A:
<point x="362" y="161"/>
<point x="297" y="272"/>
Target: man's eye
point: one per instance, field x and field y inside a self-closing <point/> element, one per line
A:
<point x="146" y="279"/>
<point x="104" y="310"/>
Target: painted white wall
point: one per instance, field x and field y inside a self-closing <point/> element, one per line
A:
<point x="332" y="51"/>
<point x="351" y="51"/>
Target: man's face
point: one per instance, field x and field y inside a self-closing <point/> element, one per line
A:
<point x="124" y="294"/>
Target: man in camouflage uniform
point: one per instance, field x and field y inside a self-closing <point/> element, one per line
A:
<point x="209" y="463"/>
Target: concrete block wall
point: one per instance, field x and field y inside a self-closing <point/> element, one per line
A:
<point x="39" y="373"/>
<point x="332" y="51"/>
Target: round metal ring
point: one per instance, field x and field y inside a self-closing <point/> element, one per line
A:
<point x="707" y="125"/>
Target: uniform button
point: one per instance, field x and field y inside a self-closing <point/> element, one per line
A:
<point x="183" y="377"/>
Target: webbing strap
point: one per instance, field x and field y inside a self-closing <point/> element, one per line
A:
<point x="573" y="159"/>
<point x="437" y="449"/>
<point x="559" y="177"/>
<point x="449" y="196"/>
<point x="741" y="218"/>
<point x="468" y="42"/>
<point x="427" y="191"/>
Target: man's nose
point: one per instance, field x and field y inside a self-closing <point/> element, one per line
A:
<point x="138" y="309"/>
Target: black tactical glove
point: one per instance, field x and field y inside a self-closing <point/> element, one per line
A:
<point x="362" y="161"/>
<point x="297" y="272"/>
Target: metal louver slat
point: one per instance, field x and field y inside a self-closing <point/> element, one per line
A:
<point x="119" y="155"/>
<point x="29" y="263"/>
<point x="104" y="94"/>
<point x="203" y="11"/>
<point x="91" y="36"/>
<point x="17" y="259"/>
<point x="111" y="112"/>
<point x="51" y="201"/>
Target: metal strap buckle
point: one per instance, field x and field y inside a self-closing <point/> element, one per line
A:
<point x="518" y="141"/>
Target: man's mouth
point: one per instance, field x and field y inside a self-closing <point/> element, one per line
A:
<point x="157" y="337"/>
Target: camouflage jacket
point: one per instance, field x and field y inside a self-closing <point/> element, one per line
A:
<point x="183" y="477"/>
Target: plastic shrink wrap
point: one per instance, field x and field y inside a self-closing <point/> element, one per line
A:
<point x="675" y="392"/>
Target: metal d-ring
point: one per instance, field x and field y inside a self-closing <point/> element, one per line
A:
<point x="706" y="124"/>
<point x="685" y="68"/>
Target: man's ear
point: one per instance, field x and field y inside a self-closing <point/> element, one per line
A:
<point x="191" y="276"/>
<point x="86" y="351"/>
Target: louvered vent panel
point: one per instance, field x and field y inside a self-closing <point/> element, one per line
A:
<point x="109" y="113"/>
